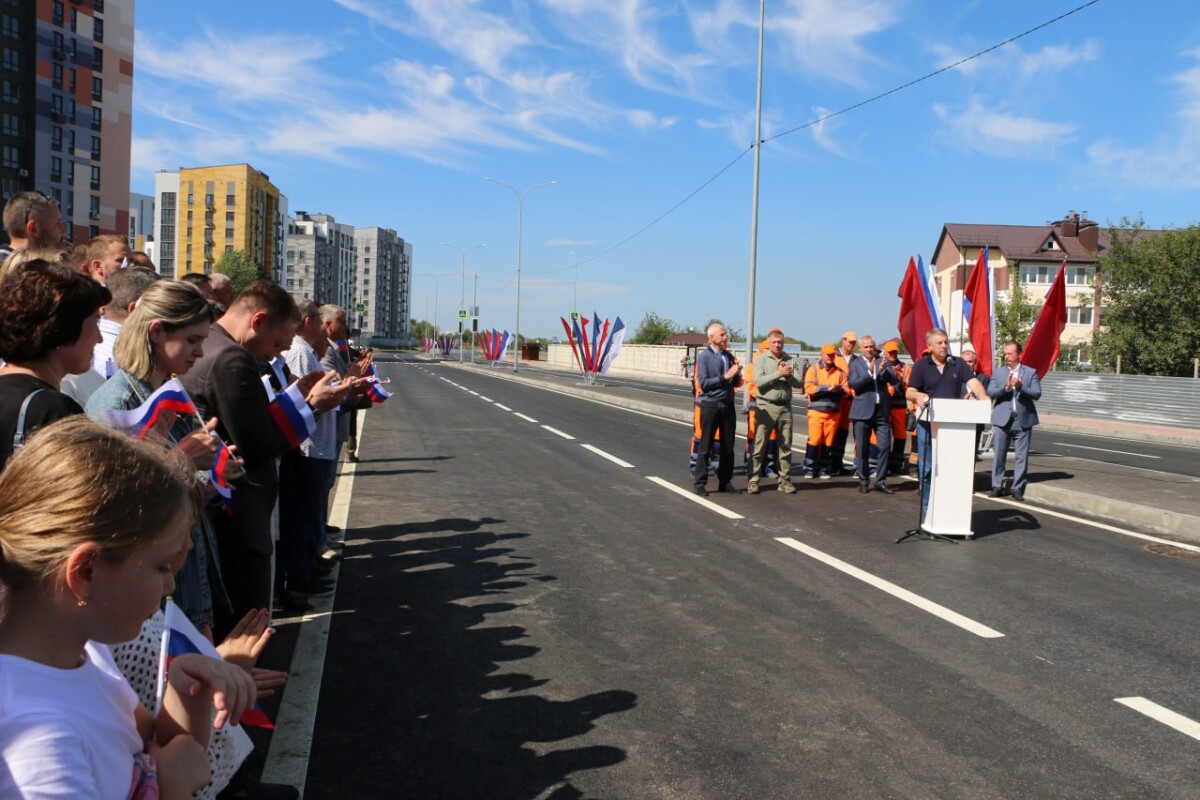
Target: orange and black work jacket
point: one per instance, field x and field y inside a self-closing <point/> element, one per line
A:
<point x="897" y="392"/>
<point x="825" y="387"/>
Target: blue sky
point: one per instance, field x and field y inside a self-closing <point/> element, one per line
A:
<point x="392" y="112"/>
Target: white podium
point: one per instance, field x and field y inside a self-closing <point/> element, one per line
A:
<point x="952" y="480"/>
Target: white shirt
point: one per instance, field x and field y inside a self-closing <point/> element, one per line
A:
<point x="66" y="733"/>
<point x="301" y="360"/>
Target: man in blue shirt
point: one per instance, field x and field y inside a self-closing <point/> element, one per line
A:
<point x="718" y="374"/>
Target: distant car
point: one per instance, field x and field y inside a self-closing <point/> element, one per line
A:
<point x="554" y="340"/>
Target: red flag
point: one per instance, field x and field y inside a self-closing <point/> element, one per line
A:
<point x="571" y="340"/>
<point x="979" y="323"/>
<point x="914" y="320"/>
<point x="1041" y="351"/>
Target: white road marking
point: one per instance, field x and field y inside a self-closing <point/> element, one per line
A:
<point x="502" y="406"/>
<point x="1166" y="716"/>
<point x="485" y="399"/>
<point x="1105" y="450"/>
<point x="291" y="741"/>
<point x="522" y="416"/>
<point x="557" y="432"/>
<point x="695" y="498"/>
<point x="940" y="611"/>
<point x="1104" y="526"/>
<point x="603" y="454"/>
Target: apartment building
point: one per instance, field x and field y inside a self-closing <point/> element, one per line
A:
<point x="381" y="300"/>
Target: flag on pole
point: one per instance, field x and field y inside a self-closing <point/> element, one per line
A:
<point x="1041" y="351"/>
<point x="613" y="347"/>
<point x="977" y="310"/>
<point x="929" y="286"/>
<point x="915" y="318"/>
<point x="216" y="475"/>
<point x="292" y="415"/>
<point x="139" y="421"/>
<point x="571" y="341"/>
<point x="583" y="343"/>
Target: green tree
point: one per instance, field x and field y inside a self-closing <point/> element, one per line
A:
<point x="1015" y="317"/>
<point x="654" y="329"/>
<point x="1150" y="285"/>
<point x="735" y="334"/>
<point x="422" y="329"/>
<point x="241" y="270"/>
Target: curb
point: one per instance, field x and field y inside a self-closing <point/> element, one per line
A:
<point x="1185" y="527"/>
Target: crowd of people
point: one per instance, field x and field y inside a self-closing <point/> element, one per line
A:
<point x="856" y="388"/>
<point x="99" y="521"/>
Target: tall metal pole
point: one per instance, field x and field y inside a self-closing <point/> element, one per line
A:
<point x="762" y="19"/>
<point x="575" y="300"/>
<point x="462" y="297"/>
<point x="474" y="314"/>
<point x="520" y="223"/>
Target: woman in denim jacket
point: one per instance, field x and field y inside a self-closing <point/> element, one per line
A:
<point x="161" y="338"/>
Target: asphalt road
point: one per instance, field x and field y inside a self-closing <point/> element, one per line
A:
<point x="519" y="616"/>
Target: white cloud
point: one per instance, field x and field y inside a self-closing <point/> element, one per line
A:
<point x="991" y="129"/>
<point x="822" y="133"/>
<point x="826" y="36"/>
<point x="1014" y="63"/>
<point x="1172" y="159"/>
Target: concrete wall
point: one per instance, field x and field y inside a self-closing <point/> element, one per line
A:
<point x="634" y="359"/>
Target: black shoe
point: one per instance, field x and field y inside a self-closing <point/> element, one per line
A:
<point x="1018" y="496"/>
<point x="313" y="586"/>
<point x="353" y="458"/>
<point x="728" y="488"/>
<point x="864" y="488"/>
<point x="879" y="487"/>
<point x="290" y="601"/>
<point x="996" y="493"/>
<point x="700" y="490"/>
<point x="332" y="529"/>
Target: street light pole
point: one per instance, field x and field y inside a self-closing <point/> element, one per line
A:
<point x="762" y="18"/>
<point x="462" y="296"/>
<point x="520" y="222"/>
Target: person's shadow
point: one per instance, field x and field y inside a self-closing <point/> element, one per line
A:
<point x="422" y="697"/>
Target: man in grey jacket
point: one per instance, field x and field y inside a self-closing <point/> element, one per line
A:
<point x="1013" y="388"/>
<point x="774" y="377"/>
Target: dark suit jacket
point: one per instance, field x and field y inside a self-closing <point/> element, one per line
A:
<point x="1002" y="405"/>
<point x="868" y="389"/>
<point x="226" y="384"/>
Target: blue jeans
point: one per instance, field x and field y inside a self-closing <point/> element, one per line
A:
<point x="924" y="463"/>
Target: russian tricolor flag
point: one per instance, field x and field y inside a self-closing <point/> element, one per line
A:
<point x="217" y="475"/>
<point x="375" y="389"/>
<point x="171" y="396"/>
<point x="292" y="415"/>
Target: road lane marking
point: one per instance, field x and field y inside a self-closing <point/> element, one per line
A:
<point x="557" y="432"/>
<point x="695" y="498"/>
<point x="1105" y="450"/>
<point x="502" y="406"/>
<point x="603" y="454"/>
<point x="940" y="611"/>
<point x="1166" y="716"/>
<point x="485" y="399"/>
<point x="522" y="416"/>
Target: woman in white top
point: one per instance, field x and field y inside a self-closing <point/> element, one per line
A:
<point x="93" y="525"/>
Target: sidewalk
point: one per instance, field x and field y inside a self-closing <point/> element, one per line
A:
<point x="1142" y="499"/>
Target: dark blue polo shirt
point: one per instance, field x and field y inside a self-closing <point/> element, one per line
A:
<point x="950" y="383"/>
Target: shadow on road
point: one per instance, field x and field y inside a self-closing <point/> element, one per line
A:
<point x="989" y="522"/>
<point x="422" y="697"/>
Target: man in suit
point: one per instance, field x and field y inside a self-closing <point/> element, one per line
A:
<point x="871" y="410"/>
<point x="718" y="373"/>
<point x="226" y="383"/>
<point x="1013" y="388"/>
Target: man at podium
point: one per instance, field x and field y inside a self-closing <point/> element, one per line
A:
<point x="937" y="375"/>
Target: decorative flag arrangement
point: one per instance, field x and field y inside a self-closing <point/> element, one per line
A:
<point x="139" y="421"/>
<point x="426" y="345"/>
<point x="1041" y="351"/>
<point x="980" y="314"/>
<point x="444" y="343"/>
<point x="494" y="344"/>
<point x="180" y="637"/>
<point x="594" y="355"/>
<point x="375" y="389"/>
<point x="919" y="310"/>
<point x="290" y="413"/>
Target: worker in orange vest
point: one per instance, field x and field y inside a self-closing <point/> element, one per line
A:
<point x="826" y="384"/>
<point x="844" y="356"/>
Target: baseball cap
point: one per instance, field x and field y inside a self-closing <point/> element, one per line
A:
<point x="891" y="347"/>
<point x="851" y="335"/>
<point x="828" y="349"/>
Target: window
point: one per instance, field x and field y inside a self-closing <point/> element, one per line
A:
<point x="93" y="207"/>
<point x="98" y="5"/>
<point x="13" y="62"/>
<point x="74" y="19"/>
<point x="95" y="182"/>
<point x="168" y="233"/>
<point x="1081" y="276"/>
<point x="97" y="88"/>
<point x="189" y="219"/>
<point x="12" y="156"/>
<point x="228" y="217"/>
<point x="10" y="26"/>
<point x="229" y="233"/>
<point x="96" y="148"/>
<point x="71" y="81"/>
<point x="228" y="248"/>
<point x="168" y="201"/>
<point x="58" y="12"/>
<point x="59" y="41"/>
<point x="97" y="116"/>
<point x="94" y="230"/>
<point x="12" y="92"/>
<point x="14" y="125"/>
<point x="55" y="168"/>
<point x="1033" y="274"/>
<point x="57" y="76"/>
<point x="70" y="205"/>
<point x="98" y="60"/>
<point x="97" y="30"/>
<point x="55" y="137"/>
<point x="231" y="199"/>
<point x="1079" y="316"/>
<point x="70" y="141"/>
<point x="70" y="172"/>
<point x="56" y="193"/>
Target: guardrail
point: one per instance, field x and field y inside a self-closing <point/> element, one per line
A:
<point x="1127" y="398"/>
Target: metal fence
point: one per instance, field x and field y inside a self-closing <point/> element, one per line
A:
<point x="1128" y="398"/>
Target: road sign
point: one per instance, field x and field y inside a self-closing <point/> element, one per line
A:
<point x="462" y="313"/>
<point x="361" y="308"/>
<point x="574" y="316"/>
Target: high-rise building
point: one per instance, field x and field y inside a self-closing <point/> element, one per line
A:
<point x="380" y="307"/>
<point x="66" y="99"/>
<point x="205" y="212"/>
<point x="308" y="267"/>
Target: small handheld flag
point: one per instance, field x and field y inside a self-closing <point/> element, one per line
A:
<point x="139" y="421"/>
<point x="292" y="415"/>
